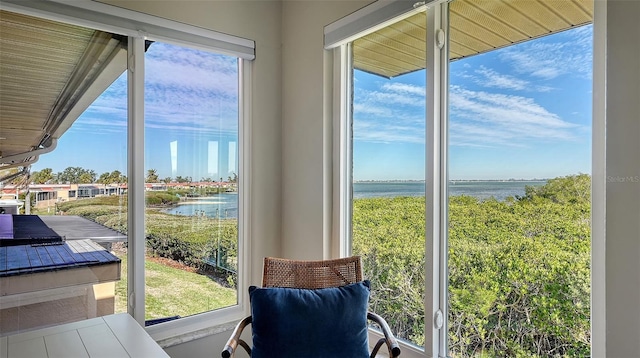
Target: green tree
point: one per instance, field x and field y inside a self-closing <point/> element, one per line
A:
<point x="76" y="175"/>
<point x="519" y="269"/>
<point x="104" y="178"/>
<point x="388" y="233"/>
<point x="152" y="176"/>
<point x="572" y="189"/>
<point x="112" y="178"/>
<point x="519" y="272"/>
<point x="87" y="178"/>
<point x="43" y="176"/>
<point x="117" y="177"/>
<point x="181" y="179"/>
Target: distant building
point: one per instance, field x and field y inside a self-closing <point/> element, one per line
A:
<point x="48" y="195"/>
<point x="9" y="204"/>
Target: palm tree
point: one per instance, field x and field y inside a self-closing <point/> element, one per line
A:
<point x="152" y="176"/>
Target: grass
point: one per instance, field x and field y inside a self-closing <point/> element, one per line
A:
<point x="173" y="291"/>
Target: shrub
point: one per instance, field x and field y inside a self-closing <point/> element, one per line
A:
<point x="153" y="198"/>
<point x="190" y="240"/>
<point x="519" y="279"/>
<point x="91" y="212"/>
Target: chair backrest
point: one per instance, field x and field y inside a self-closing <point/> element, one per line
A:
<point x="279" y="272"/>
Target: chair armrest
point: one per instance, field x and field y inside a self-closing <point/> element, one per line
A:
<point x="235" y="339"/>
<point x="389" y="339"/>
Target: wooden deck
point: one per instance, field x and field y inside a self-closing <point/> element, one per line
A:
<point x="46" y="280"/>
<point x="25" y="259"/>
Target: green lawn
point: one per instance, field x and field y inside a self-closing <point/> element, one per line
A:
<point x="171" y="291"/>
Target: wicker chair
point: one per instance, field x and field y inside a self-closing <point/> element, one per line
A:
<point x="313" y="275"/>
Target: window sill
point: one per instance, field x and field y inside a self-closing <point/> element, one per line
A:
<point x="191" y="336"/>
<point x="187" y="329"/>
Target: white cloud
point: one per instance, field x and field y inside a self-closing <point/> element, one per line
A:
<point x="491" y="78"/>
<point x="405" y="88"/>
<point x="185" y="90"/>
<point x="489" y="119"/>
<point x="478" y="136"/>
<point x="393" y="94"/>
<point x="387" y="133"/>
<point x="390" y="96"/>
<point x="569" y="53"/>
<point x="394" y="112"/>
<point x="376" y="111"/>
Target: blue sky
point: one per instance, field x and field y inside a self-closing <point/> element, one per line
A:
<point x="520" y="112"/>
<point x="191" y="100"/>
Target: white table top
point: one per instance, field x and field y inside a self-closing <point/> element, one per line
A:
<point x="112" y="336"/>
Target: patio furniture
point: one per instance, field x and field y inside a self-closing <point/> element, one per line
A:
<point x="311" y="309"/>
<point x="114" y="336"/>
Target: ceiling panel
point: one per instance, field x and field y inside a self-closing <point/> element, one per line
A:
<point x="476" y="26"/>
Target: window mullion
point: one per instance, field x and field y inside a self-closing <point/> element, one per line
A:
<point x="443" y="37"/>
<point x="135" y="184"/>
<point x="436" y="182"/>
<point x="343" y="147"/>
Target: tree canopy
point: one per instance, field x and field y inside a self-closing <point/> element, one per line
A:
<point x="518" y="270"/>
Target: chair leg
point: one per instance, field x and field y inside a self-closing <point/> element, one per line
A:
<point x="235" y="340"/>
<point x="376" y="348"/>
<point x="389" y="339"/>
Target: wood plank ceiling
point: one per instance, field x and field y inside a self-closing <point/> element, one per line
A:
<point x="475" y="27"/>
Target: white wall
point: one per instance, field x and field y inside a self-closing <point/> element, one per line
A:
<point x="305" y="147"/>
<point x="623" y="179"/>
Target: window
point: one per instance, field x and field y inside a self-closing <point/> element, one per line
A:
<point x="431" y="220"/>
<point x="191" y="106"/>
<point x="389" y="149"/>
<point x="388" y="187"/>
<point x="519" y="198"/>
<point x="120" y="157"/>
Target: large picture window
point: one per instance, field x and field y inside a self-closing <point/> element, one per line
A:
<point x="465" y="176"/>
<point x="147" y="147"/>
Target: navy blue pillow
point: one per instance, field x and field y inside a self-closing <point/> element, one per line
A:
<point x="326" y="322"/>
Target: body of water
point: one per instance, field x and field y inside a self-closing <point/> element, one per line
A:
<point x="225" y="205"/>
<point x="478" y="189"/>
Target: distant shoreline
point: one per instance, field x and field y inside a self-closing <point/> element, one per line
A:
<point x="452" y="180"/>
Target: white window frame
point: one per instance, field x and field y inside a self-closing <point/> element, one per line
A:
<point x="368" y="20"/>
<point x="338" y="36"/>
<point x="140" y="27"/>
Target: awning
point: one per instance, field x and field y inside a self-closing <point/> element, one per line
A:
<point x="50" y="73"/>
<point x="475" y="27"/>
